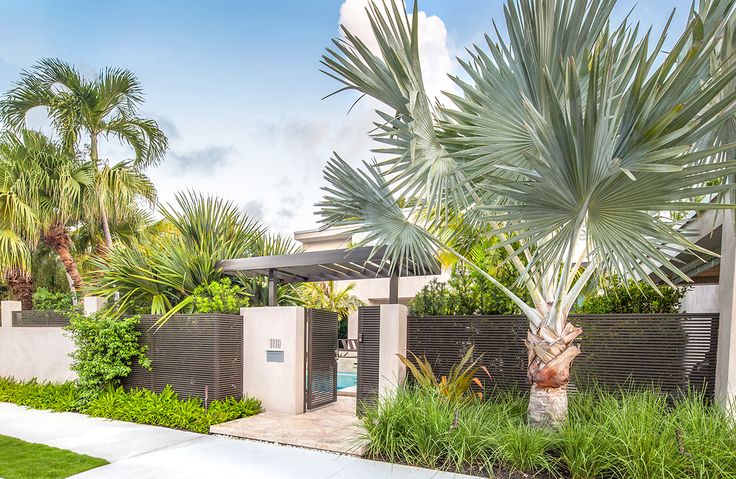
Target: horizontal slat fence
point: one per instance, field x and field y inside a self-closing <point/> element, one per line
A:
<point x="193" y="353"/>
<point x="670" y="351"/>
<point x="39" y="319"/>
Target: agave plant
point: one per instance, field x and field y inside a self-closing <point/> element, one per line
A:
<point x="570" y="141"/>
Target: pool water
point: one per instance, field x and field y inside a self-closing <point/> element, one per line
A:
<point x="346" y="380"/>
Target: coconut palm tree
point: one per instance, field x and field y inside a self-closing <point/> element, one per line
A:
<point x="568" y="138"/>
<point x="87" y="110"/>
<point x="52" y="185"/>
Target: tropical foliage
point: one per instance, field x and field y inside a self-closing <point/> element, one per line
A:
<point x="104" y="350"/>
<point x="456" y="385"/>
<point x="219" y="297"/>
<point x="328" y="296"/>
<point x="164" y="272"/>
<point x="632" y="297"/>
<point x="84" y="111"/>
<point x="570" y="141"/>
<point x="45" y="300"/>
<point x="138" y="405"/>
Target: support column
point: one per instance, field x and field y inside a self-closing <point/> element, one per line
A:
<point x="393" y="290"/>
<point x="726" y="363"/>
<point x="93" y="304"/>
<point x="391" y="371"/>
<point x="273" y="357"/>
<point x="273" y="284"/>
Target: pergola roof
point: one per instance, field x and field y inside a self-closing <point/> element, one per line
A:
<point x="330" y="265"/>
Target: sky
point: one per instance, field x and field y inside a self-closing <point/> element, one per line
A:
<point x="236" y="84"/>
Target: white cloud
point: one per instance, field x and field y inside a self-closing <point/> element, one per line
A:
<point x="434" y="50"/>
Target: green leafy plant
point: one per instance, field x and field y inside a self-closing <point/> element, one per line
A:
<point x="45" y="300"/>
<point x="636" y="297"/>
<point x="456" y="384"/>
<point x="138" y="405"/>
<point x="168" y="410"/>
<point x="219" y="297"/>
<point x="105" y="348"/>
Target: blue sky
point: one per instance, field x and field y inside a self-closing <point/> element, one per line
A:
<point x="237" y="86"/>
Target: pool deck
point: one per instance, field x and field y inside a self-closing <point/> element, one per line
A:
<point x="332" y="428"/>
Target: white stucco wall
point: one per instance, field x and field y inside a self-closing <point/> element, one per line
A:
<point x="33" y="352"/>
<point x="701" y="298"/>
<point x="392" y="341"/>
<point x="279" y="385"/>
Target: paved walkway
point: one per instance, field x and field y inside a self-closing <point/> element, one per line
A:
<point x="331" y="428"/>
<point x="142" y="452"/>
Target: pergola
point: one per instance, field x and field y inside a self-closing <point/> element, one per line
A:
<point x="330" y="265"/>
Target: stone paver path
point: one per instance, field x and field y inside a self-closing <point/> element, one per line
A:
<point x="331" y="428"/>
<point x="143" y="452"/>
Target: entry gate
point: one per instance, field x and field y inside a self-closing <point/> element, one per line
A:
<point x="320" y="357"/>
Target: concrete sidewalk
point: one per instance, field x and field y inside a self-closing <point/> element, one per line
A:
<point x="138" y="451"/>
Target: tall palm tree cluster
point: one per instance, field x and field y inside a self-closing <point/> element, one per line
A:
<point x="60" y="194"/>
<point x="58" y="187"/>
<point x="570" y="139"/>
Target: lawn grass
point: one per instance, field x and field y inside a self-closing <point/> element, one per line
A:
<point x="25" y="460"/>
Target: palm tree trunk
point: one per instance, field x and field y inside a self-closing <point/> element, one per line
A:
<point x="105" y="225"/>
<point x="20" y="284"/>
<point x="72" y="289"/>
<point x="58" y="240"/>
<point x="550" y="357"/>
<point x="103" y="209"/>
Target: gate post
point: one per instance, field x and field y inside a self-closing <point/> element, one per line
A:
<point x="391" y="371"/>
<point x="273" y="357"/>
<point x="726" y="363"/>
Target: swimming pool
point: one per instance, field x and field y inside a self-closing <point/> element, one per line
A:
<point x="346" y="380"/>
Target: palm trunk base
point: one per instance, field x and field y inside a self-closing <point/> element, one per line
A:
<point x="547" y="407"/>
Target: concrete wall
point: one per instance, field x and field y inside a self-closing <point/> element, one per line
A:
<point x="280" y="331"/>
<point x="33" y="352"/>
<point x="701" y="298"/>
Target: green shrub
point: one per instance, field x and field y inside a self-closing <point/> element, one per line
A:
<point x="45" y="300"/>
<point x="138" y="405"/>
<point x="166" y="409"/>
<point x="636" y="435"/>
<point x="219" y="297"/>
<point x="105" y="347"/>
<point x="632" y="297"/>
<point x="55" y="397"/>
<point x="468" y="292"/>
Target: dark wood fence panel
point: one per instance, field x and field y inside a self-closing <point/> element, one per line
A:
<point x="321" y="362"/>
<point x="670" y="351"/>
<point x="369" y="332"/>
<point x="39" y="319"/>
<point x="198" y="355"/>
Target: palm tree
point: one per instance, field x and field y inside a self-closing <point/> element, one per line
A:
<point x="326" y="295"/>
<point x="159" y="272"/>
<point x="567" y="141"/>
<point x="82" y="109"/>
<point x="52" y="186"/>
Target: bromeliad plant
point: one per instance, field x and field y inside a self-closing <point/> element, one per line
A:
<point x="456" y="385"/>
<point x="571" y="141"/>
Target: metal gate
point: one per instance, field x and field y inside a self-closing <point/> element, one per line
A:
<point x="320" y="357"/>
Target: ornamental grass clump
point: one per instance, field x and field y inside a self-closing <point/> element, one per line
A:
<point x="627" y="435"/>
